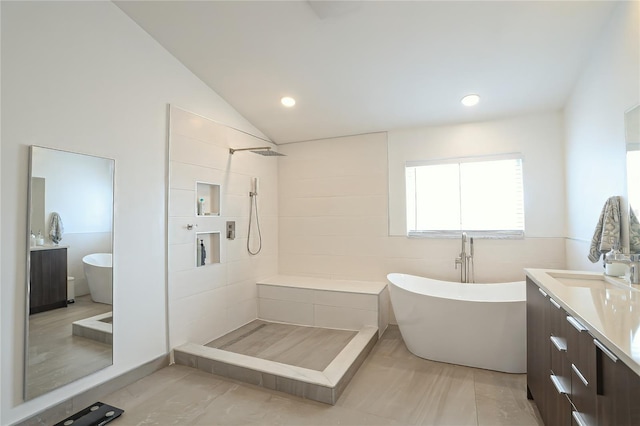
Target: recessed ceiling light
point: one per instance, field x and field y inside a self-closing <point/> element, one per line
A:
<point x="288" y="101"/>
<point x="470" y="100"/>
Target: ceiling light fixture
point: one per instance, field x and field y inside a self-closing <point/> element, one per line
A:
<point x="470" y="100"/>
<point x="288" y="101"/>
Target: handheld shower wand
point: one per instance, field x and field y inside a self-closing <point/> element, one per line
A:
<point x="253" y="196"/>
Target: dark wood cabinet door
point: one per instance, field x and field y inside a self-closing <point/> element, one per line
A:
<point x="539" y="385"/>
<point x="618" y="396"/>
<point x="48" y="280"/>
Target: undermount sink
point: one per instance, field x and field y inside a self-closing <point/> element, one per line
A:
<point x="591" y="281"/>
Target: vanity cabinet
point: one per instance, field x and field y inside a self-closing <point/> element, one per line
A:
<point x="572" y="377"/>
<point x="48" y="280"/>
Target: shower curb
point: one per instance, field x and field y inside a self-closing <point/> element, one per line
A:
<point x="324" y="386"/>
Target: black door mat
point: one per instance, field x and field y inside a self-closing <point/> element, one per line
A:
<point x="97" y="414"/>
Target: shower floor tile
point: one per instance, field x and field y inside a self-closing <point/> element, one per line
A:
<point x="307" y="347"/>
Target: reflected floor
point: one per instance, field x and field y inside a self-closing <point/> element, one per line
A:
<point x="56" y="356"/>
<point x="391" y="387"/>
<point x="308" y="347"/>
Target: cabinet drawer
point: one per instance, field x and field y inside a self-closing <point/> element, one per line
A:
<point x="583" y="396"/>
<point x="559" y="409"/>
<point x="558" y="324"/>
<point x="580" y="349"/>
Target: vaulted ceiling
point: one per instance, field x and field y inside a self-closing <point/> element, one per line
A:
<point x="360" y="66"/>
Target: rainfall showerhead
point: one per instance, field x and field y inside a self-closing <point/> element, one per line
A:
<point x="268" y="153"/>
<point x="262" y="150"/>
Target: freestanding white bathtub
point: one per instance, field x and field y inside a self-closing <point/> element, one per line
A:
<point x="477" y="325"/>
<point x="98" y="271"/>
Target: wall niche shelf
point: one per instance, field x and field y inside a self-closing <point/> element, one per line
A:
<point x="211" y="243"/>
<point x="209" y="193"/>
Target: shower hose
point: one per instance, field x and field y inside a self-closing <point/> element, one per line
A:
<point x="254" y="202"/>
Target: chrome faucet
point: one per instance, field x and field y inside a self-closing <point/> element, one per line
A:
<point x="634" y="267"/>
<point x="466" y="261"/>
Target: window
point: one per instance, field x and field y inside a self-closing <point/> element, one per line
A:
<point x="482" y="196"/>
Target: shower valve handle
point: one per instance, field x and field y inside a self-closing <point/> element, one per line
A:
<point x="190" y="226"/>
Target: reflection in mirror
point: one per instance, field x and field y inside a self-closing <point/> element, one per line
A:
<point x="69" y="280"/>
<point x="632" y="136"/>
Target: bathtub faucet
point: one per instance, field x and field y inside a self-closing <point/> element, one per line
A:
<point x="466" y="261"/>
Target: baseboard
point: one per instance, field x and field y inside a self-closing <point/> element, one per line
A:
<point x="64" y="409"/>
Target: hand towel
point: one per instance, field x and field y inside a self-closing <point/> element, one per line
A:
<point x="56" y="229"/>
<point x="607" y="231"/>
<point x="634" y="232"/>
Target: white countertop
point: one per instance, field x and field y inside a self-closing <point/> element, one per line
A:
<point x="611" y="311"/>
<point x="48" y="247"/>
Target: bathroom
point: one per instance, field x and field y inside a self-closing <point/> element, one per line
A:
<point x="109" y="97"/>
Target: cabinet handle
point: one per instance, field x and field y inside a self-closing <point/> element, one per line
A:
<point x="579" y="374"/>
<point x="576" y="324"/>
<point x="606" y="351"/>
<point x="557" y="384"/>
<point x="542" y="292"/>
<point x="578" y="418"/>
<point x="559" y="343"/>
<point x="554" y="303"/>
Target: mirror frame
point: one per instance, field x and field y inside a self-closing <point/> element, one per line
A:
<point x="25" y="391"/>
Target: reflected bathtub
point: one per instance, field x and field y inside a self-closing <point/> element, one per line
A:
<point x="477" y="325"/>
<point x="98" y="271"/>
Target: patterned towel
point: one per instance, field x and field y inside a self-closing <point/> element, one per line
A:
<point x="634" y="232"/>
<point x="56" y="229"/>
<point x="607" y="232"/>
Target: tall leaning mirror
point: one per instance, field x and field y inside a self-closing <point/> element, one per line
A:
<point x="632" y="136"/>
<point x="69" y="278"/>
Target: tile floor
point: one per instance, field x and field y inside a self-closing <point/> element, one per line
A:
<point x="308" y="347"/>
<point x="56" y="356"/>
<point x="392" y="387"/>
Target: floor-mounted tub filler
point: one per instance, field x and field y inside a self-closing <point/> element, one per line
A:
<point x="477" y="325"/>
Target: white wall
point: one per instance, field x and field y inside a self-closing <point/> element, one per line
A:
<point x="594" y="116"/>
<point x="81" y="76"/>
<point x="334" y="203"/>
<point x="78" y="187"/>
<point x="208" y="301"/>
<point x="539" y="138"/>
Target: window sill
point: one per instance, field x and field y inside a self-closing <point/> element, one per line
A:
<point x="482" y="235"/>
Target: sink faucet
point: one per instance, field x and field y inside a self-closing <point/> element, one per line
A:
<point x="634" y="267"/>
<point x="465" y="260"/>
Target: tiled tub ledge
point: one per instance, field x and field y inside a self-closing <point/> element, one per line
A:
<point x="320" y="302"/>
<point x="323" y="386"/>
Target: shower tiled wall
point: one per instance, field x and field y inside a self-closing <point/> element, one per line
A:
<point x="333" y="208"/>
<point x="208" y="301"/>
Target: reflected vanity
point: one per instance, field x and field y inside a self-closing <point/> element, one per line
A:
<point x="68" y="334"/>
